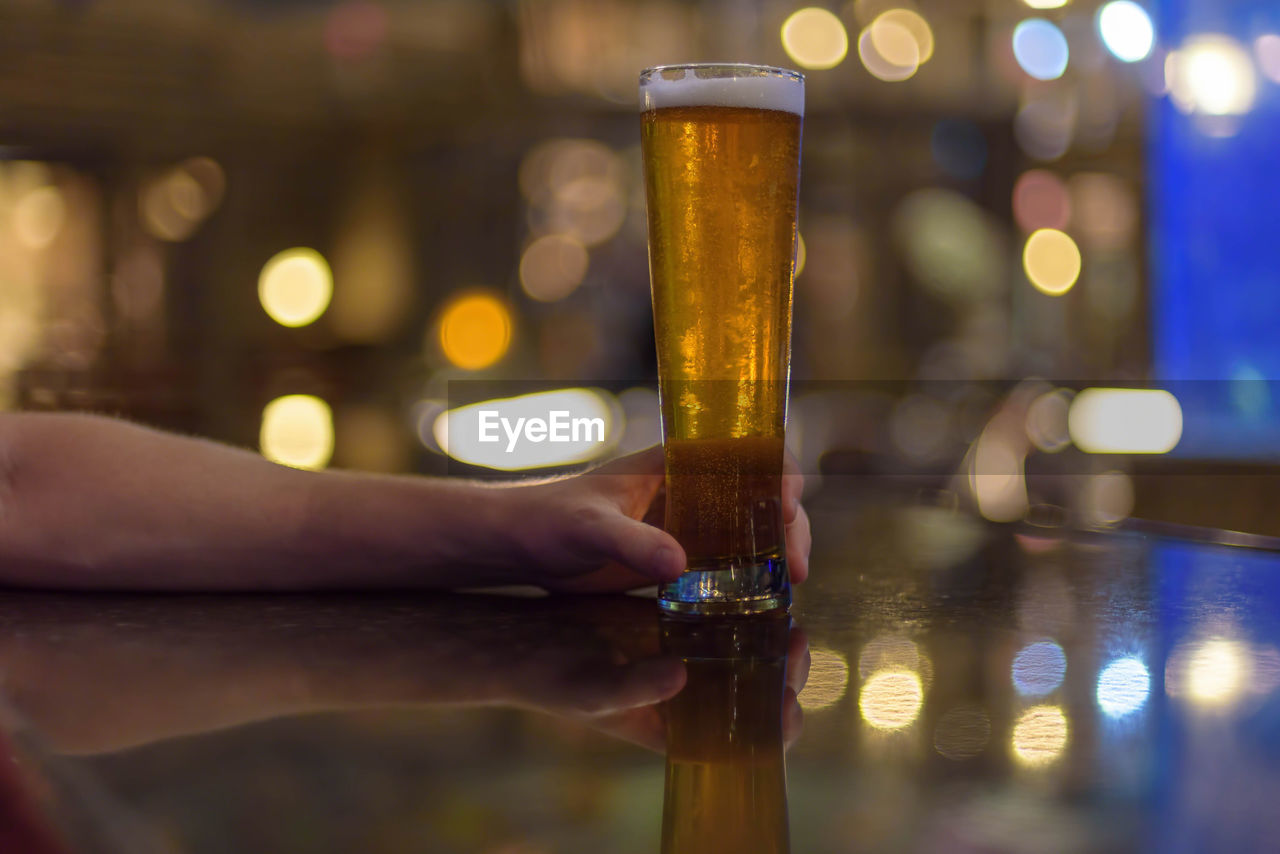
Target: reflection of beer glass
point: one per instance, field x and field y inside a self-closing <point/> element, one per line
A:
<point x="726" y="783"/>
<point x="721" y="150"/>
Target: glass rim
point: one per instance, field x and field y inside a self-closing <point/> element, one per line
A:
<point x="758" y="70"/>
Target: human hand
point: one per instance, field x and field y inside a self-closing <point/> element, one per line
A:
<point x="599" y="532"/>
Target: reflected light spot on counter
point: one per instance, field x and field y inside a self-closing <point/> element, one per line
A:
<point x="893" y="652"/>
<point x="1125" y="421"/>
<point x="1040" y="200"/>
<point x="552" y="267"/>
<point x="295" y="286"/>
<point x="1126" y="30"/>
<point x="1211" y="75"/>
<point x="1123" y="687"/>
<point x="891" y="699"/>
<point x="475" y="331"/>
<point x="828" y="680"/>
<point x="1046" y="4"/>
<point x="1040" y="49"/>
<point x="1040" y="735"/>
<point x="1217" y="672"/>
<point x="1267" y="50"/>
<point x="297" y="431"/>
<point x="1051" y="261"/>
<point x="1039" y="668"/>
<point x="962" y="733"/>
<point x="901" y="44"/>
<point x="815" y="38"/>
<point x="591" y="424"/>
<point x="38" y="216"/>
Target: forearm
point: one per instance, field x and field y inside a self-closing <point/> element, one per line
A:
<point x="98" y="503"/>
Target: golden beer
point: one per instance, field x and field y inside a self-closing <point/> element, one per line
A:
<point x="721" y="151"/>
<point x="726" y="784"/>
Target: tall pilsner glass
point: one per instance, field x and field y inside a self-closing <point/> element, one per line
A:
<point x="721" y="148"/>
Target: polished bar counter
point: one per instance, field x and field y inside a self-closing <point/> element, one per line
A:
<point x="943" y="685"/>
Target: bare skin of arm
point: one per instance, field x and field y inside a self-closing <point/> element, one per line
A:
<point x="88" y="502"/>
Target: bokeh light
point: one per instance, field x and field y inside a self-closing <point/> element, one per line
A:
<point x="1106" y="498"/>
<point x="1125" y="421"/>
<point x="1123" y="687"/>
<point x="1211" y="75"/>
<point x="962" y="733"/>
<point x="576" y="188"/>
<point x="802" y="255"/>
<point x="173" y="204"/>
<point x="887" y="39"/>
<point x="815" y="38"/>
<point x="1046" y="4"/>
<point x="1040" y="200"/>
<point x="1045" y="125"/>
<point x="1126" y="30"/>
<point x="891" y="699"/>
<point x="475" y="330"/>
<point x="895" y="44"/>
<point x="355" y="29"/>
<point x="295" y="286"/>
<point x="828" y="679"/>
<point x="1039" y="668"/>
<point x="951" y="245"/>
<point x="297" y="431"/>
<point x="1040" y="48"/>
<point x="1267" y="50"/>
<point x="996" y="478"/>
<point x="1040" y="735"/>
<point x="552" y="267"/>
<point x="1051" y="260"/>
<point x="1047" y="421"/>
<point x="1104" y="211"/>
<point x="920" y="427"/>
<point x="38" y="216"/>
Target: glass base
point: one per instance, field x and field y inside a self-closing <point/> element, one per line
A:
<point x="753" y="586"/>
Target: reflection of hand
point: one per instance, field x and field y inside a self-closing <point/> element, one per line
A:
<point x="646" y="725"/>
<point x="597" y="532"/>
<point x="158" y="667"/>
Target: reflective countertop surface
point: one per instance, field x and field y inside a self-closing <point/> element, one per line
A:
<point x="943" y="686"/>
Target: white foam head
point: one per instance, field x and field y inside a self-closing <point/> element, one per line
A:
<point x="750" y="86"/>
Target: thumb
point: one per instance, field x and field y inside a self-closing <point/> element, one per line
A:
<point x="650" y="551"/>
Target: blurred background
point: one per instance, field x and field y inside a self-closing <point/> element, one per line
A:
<point x="1035" y="234"/>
